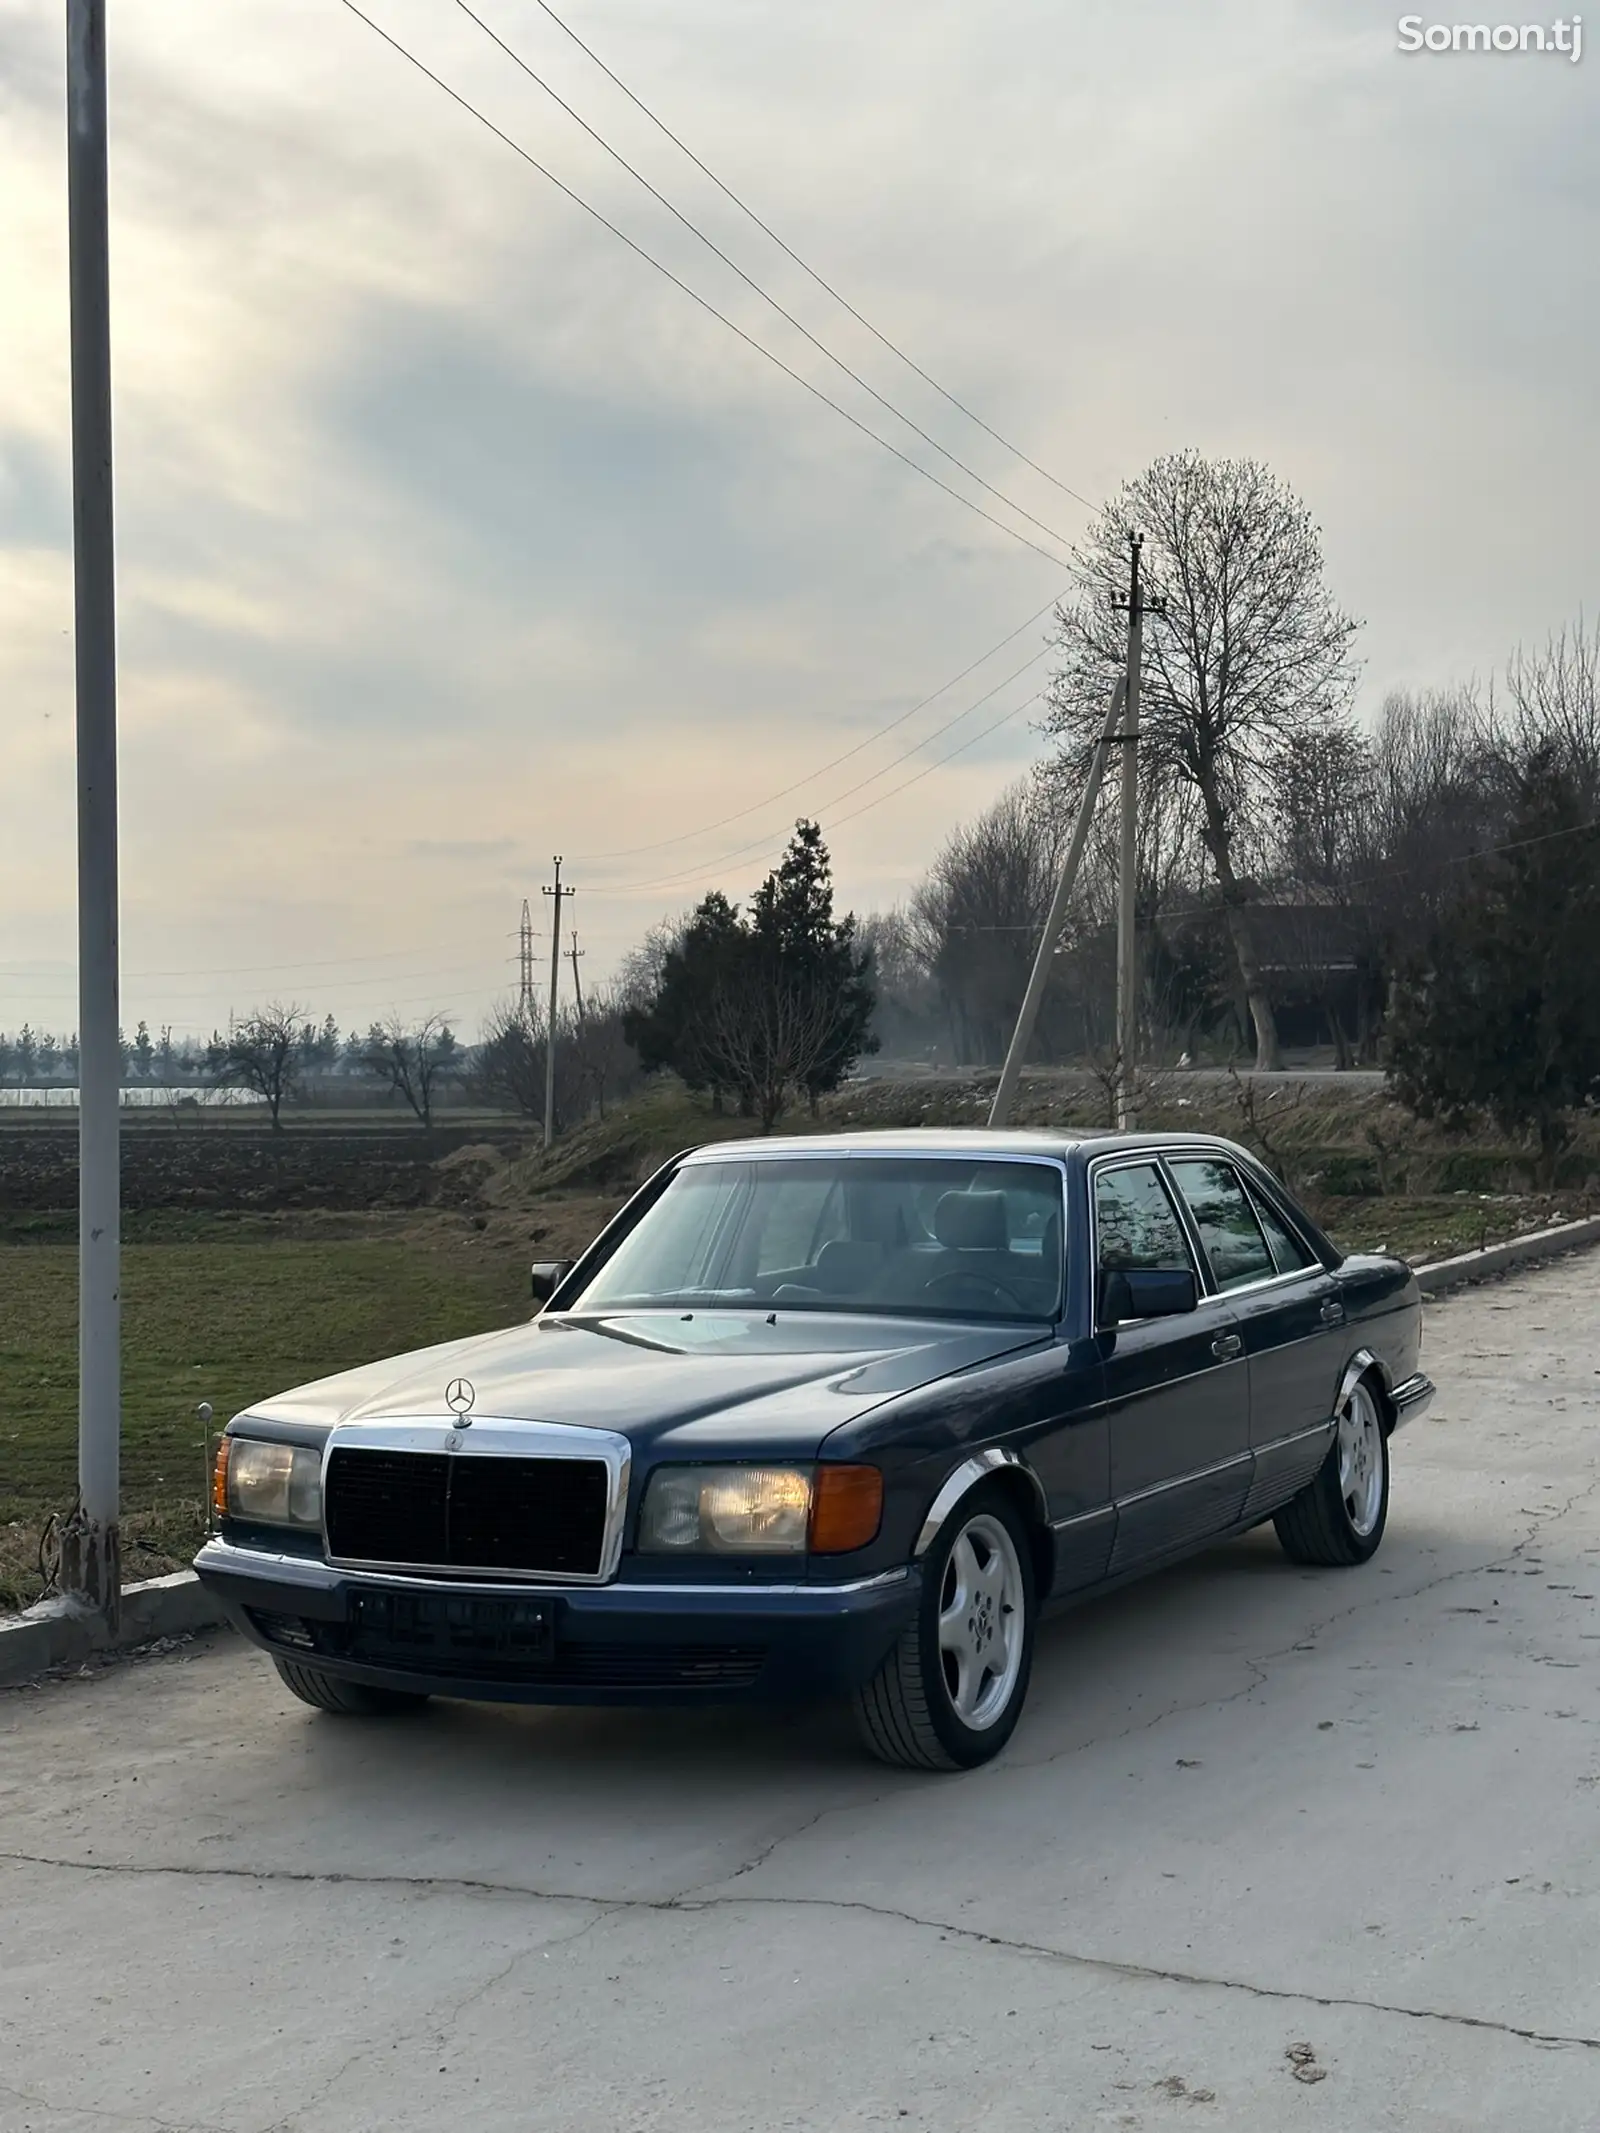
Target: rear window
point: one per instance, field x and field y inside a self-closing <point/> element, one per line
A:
<point x="1230" y="1235"/>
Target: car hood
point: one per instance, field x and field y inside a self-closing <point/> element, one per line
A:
<point x="699" y="1382"/>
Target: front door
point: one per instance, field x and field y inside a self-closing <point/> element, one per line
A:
<point x="1177" y="1389"/>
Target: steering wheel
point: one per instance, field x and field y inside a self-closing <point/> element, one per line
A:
<point x="960" y="1277"/>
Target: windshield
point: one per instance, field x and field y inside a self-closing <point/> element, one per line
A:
<point x="920" y="1236"/>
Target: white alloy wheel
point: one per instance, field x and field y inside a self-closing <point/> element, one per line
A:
<point x="949" y="1691"/>
<point x="1361" y="1464"/>
<point x="982" y="1619"/>
<point x="1337" y="1520"/>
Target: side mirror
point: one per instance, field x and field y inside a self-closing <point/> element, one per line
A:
<point x="1146" y="1292"/>
<point x="547" y="1276"/>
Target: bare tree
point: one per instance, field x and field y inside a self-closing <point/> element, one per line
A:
<point x="906" y="1017"/>
<point x="605" y="1064"/>
<point x="509" y="1069"/>
<point x="770" y="1029"/>
<point x="413" y="1060"/>
<point x="1554" y="705"/>
<point x="262" y="1054"/>
<point x="974" y="924"/>
<point x="1437" y="796"/>
<point x="1252" y="656"/>
<point x="640" y="977"/>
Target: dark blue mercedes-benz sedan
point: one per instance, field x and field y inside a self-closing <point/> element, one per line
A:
<point x="834" y="1416"/>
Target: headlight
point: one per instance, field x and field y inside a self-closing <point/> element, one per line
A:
<point x="726" y="1510"/>
<point x="271" y="1484"/>
<point x="760" y="1510"/>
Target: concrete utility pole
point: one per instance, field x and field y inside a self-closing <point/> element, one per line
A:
<point x="1028" y="1015"/>
<point x="558" y="892"/>
<point x="575" y="956"/>
<point x="1128" y="852"/>
<point x="91" y="1564"/>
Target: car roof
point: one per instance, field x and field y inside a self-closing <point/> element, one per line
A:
<point x="957" y="1141"/>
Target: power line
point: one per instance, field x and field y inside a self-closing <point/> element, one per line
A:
<point x="766" y="846"/>
<point x="771" y="800"/>
<point x="767" y="230"/>
<point x="750" y="281"/>
<point x="764" y="842"/>
<point x="705" y="303"/>
<point x="972" y="741"/>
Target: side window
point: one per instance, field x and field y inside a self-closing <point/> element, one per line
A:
<point x="1135" y="1221"/>
<point x="1230" y="1235"/>
<point x="1288" y="1253"/>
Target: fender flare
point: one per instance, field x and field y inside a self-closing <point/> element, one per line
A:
<point x="1360" y="1365"/>
<point x="963" y="1479"/>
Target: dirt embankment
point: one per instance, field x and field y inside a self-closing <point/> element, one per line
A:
<point x="258" y="1171"/>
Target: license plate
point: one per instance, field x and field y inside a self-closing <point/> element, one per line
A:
<point x="456" y="1622"/>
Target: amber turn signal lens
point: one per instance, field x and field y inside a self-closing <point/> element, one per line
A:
<point x="846" y="1508"/>
<point x="219" y="1477"/>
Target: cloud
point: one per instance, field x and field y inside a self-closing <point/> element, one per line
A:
<point x="450" y="535"/>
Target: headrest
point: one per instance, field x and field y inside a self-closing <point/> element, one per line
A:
<point x="972" y="1222"/>
<point x="844" y="1259"/>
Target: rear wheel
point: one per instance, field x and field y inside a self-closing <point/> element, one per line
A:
<point x="347" y="1699"/>
<point x="949" y="1695"/>
<point x="1338" y="1518"/>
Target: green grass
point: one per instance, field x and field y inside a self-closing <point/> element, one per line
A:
<point x="228" y="1320"/>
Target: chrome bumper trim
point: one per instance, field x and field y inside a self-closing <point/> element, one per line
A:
<point x="1412" y="1396"/>
<point x="228" y="1559"/>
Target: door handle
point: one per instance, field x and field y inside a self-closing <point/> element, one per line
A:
<point x="1333" y="1312"/>
<point x="1226" y="1346"/>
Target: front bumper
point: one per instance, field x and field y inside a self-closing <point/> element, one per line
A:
<point x="1413" y="1396"/>
<point x="622" y="1643"/>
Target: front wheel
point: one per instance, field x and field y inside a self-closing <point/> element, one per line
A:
<point x="347" y="1699"/>
<point x="950" y="1693"/>
<point x="1337" y="1520"/>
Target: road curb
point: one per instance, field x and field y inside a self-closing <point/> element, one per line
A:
<point x="1514" y="1252"/>
<point x="61" y="1633"/>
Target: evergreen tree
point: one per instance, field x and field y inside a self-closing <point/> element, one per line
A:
<point x="792" y="915"/>
<point x="674" y="1029"/>
<point x="1501" y="1015"/>
<point x="763" y="1007"/>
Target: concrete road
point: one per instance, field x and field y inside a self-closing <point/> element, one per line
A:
<point x="1272" y="1849"/>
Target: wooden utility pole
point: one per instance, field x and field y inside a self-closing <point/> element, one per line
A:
<point x="91" y="1561"/>
<point x="558" y="893"/>
<point x="575" y="956"/>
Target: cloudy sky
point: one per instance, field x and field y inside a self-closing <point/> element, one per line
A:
<point x="453" y="535"/>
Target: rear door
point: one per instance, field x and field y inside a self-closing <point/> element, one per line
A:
<point x="1178" y="1403"/>
<point x="1288" y="1310"/>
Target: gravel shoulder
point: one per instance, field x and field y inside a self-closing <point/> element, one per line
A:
<point x="1271" y="1847"/>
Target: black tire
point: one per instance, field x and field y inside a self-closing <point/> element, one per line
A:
<point x="906" y="1714"/>
<point x="346" y="1699"/>
<point x="1317" y="1527"/>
